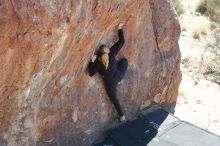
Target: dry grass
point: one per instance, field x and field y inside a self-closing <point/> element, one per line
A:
<point x="214" y="9"/>
<point x="196" y="35"/>
<point x="200" y="27"/>
<point x="211" y="57"/>
<point x="178" y="6"/>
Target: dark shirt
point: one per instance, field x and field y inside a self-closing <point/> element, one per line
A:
<point x="97" y="66"/>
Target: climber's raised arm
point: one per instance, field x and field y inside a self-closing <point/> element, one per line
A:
<point x="94" y="66"/>
<point x="118" y="45"/>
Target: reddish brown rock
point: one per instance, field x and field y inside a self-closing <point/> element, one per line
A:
<point x="46" y="95"/>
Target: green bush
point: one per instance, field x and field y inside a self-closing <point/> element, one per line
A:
<point x="213" y="26"/>
<point x="178" y="6"/>
<point x="210" y="8"/>
<point x="202" y="7"/>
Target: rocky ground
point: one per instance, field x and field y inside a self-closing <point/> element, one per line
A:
<point x="199" y="98"/>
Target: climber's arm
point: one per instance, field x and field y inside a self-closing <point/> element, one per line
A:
<point x="118" y="45"/>
<point x="93" y="67"/>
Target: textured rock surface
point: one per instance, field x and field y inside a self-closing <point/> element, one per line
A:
<point x="46" y="95"/>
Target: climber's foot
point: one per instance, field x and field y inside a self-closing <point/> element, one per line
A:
<point x="121" y="82"/>
<point x="122" y="119"/>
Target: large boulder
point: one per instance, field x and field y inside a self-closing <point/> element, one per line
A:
<point x="46" y="95"/>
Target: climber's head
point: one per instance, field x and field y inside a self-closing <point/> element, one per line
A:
<point x="104" y="58"/>
<point x="104" y="49"/>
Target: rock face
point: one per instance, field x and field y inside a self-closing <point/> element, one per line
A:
<point x="46" y="95"/>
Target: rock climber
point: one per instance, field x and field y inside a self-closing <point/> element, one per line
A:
<point x="111" y="70"/>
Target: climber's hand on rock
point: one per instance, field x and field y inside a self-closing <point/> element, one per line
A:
<point x="121" y="25"/>
<point x="94" y="57"/>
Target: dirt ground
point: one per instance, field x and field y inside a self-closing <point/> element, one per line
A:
<point x="199" y="99"/>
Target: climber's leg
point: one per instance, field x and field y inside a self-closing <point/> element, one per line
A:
<point x="121" y="69"/>
<point x="112" y="93"/>
<point x="122" y="65"/>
